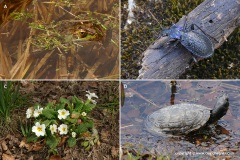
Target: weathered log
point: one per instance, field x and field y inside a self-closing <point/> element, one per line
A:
<point x="217" y="18"/>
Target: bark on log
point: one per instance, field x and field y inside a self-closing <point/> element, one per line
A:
<point x="217" y="18"/>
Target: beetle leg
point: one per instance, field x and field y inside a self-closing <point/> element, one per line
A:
<point x="159" y="44"/>
<point x="185" y="23"/>
<point x="194" y="60"/>
<point x="173" y="46"/>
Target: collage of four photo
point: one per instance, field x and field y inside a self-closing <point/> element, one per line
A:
<point x="119" y="79"/>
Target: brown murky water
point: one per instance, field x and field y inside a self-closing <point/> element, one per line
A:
<point x="143" y="98"/>
<point x="74" y="39"/>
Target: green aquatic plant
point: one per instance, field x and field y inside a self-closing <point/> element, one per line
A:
<point x="21" y="15"/>
<point x="56" y="33"/>
<point x="50" y="38"/>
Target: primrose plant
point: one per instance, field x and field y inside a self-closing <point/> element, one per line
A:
<point x="67" y="120"/>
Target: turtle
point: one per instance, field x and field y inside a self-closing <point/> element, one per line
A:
<point x="181" y="119"/>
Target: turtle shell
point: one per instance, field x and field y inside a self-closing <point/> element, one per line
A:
<point x="177" y="119"/>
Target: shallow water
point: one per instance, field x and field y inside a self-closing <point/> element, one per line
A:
<point x="143" y="98"/>
<point x="78" y="40"/>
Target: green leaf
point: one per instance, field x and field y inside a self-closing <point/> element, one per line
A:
<point x="95" y="140"/>
<point x="9" y="99"/>
<point x="78" y="104"/>
<point x="49" y="113"/>
<point x="64" y="100"/>
<point x="64" y="104"/>
<point x="22" y="129"/>
<point x="75" y="115"/>
<point x="49" y="106"/>
<point x="84" y="127"/>
<point x="91" y="142"/>
<point x="88" y="107"/>
<point x="71" y="141"/>
<point x="60" y="106"/>
<point x="15" y="92"/>
<point x="81" y="128"/>
<point x="95" y="132"/>
<point x="88" y="148"/>
<point x="71" y="120"/>
<point x="51" y="141"/>
<point x="47" y="123"/>
<point x="32" y="138"/>
<point x="85" y="143"/>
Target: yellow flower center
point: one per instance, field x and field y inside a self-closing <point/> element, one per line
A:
<point x="63" y="113"/>
<point x="64" y="129"/>
<point x="39" y="129"/>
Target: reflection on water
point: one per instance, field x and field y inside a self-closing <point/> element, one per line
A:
<point x="60" y="40"/>
<point x="143" y="98"/>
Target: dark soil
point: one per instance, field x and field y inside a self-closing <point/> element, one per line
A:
<point x="105" y="116"/>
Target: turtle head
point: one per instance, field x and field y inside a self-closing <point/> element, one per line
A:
<point x="220" y="108"/>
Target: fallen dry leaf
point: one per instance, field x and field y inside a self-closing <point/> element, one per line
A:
<point x="114" y="152"/>
<point x="23" y="144"/>
<point x="104" y="136"/>
<point x="55" y="157"/>
<point x="7" y="157"/>
<point x="86" y="134"/>
<point x="30" y="158"/>
<point x="63" y="140"/>
<point x="8" y="152"/>
<point x="79" y="121"/>
<point x="4" y="146"/>
<point x="1" y="150"/>
<point x="12" y="138"/>
<point x="198" y="142"/>
<point x="38" y="146"/>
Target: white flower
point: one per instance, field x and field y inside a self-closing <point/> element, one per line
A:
<point x="53" y="128"/>
<point x="94" y="102"/>
<point x="29" y="112"/>
<point x="62" y="114"/>
<point x="84" y="114"/>
<point x="37" y="112"/>
<point x="90" y="96"/>
<point x="39" y="129"/>
<point x="73" y="134"/>
<point x="63" y="129"/>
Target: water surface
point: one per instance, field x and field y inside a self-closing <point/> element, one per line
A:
<point x="142" y="98"/>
